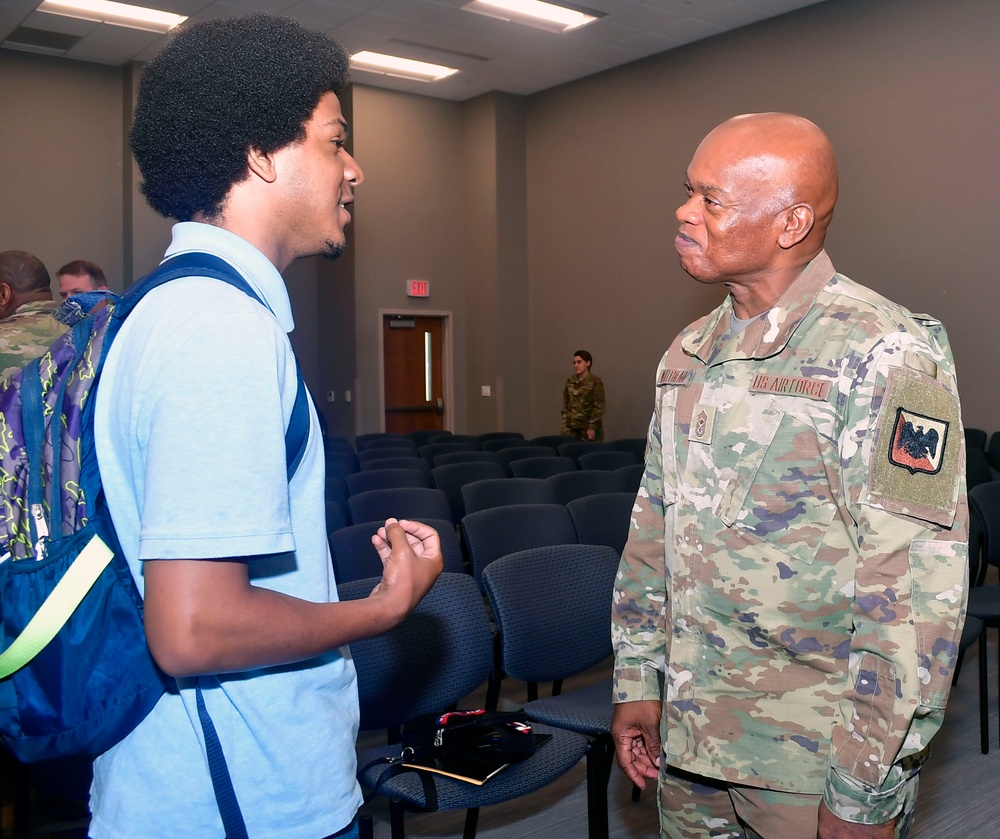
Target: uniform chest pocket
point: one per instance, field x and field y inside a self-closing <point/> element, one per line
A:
<point x="783" y="490"/>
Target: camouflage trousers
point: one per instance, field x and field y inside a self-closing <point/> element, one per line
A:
<point x="692" y="807"/>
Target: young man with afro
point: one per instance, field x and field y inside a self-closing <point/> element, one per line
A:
<point x="239" y="135"/>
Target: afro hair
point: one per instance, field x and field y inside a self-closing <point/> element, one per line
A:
<point x="217" y="90"/>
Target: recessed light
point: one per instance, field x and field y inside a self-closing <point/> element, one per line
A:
<point x="403" y="68"/>
<point x="118" y="14"/>
<point x="533" y="13"/>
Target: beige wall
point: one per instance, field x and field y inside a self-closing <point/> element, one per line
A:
<point x="408" y="225"/>
<point x="61" y="161"/>
<point x="494" y="180"/>
<point x="908" y="91"/>
<point x="545" y="223"/>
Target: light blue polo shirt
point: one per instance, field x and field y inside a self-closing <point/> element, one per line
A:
<point x="190" y="419"/>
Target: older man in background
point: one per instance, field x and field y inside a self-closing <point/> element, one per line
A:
<point x="27" y="323"/>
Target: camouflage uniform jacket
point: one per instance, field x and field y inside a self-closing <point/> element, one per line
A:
<point x="794" y="582"/>
<point x="27" y="334"/>
<point x="583" y="406"/>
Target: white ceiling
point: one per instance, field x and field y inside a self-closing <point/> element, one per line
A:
<point x="492" y="55"/>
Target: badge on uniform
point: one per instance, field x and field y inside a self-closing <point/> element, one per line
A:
<point x="918" y="442"/>
<point x="674" y="377"/>
<point x="916" y="471"/>
<point x="702" y="423"/>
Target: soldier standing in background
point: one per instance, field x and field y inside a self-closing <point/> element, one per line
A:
<point x="791" y="597"/>
<point x="27" y="325"/>
<point x="583" y="401"/>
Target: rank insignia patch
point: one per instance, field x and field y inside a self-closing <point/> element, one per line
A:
<point x="918" y="442"/>
<point x="702" y="424"/>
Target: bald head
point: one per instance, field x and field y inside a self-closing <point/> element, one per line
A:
<point x="23" y="279"/>
<point x="23" y="272"/>
<point x="786" y="154"/>
<point x="761" y="192"/>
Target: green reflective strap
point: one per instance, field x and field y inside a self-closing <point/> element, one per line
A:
<point x="58" y="606"/>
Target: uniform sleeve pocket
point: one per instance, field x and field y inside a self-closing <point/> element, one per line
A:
<point x="861" y="753"/>
<point x="939" y="571"/>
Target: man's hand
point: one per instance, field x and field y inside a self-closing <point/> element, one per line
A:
<point x="411" y="562"/>
<point x="830" y="827"/>
<point x="635" y="730"/>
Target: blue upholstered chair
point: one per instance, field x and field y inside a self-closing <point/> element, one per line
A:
<point x="490" y="534"/>
<point x="984" y="599"/>
<point x="431" y="450"/>
<point x="465" y="457"/>
<point x="551" y="606"/>
<point x="502" y="443"/>
<point x="389" y="441"/>
<point x="570" y="485"/>
<point x="400" y="503"/>
<point x="407" y="462"/>
<point x="491" y="436"/>
<point x="498" y="492"/>
<point x="341" y="463"/>
<point x="385" y="479"/>
<point x="542" y="467"/>
<point x="609" y="460"/>
<point x="552" y="441"/>
<point x="602" y="519"/>
<point x="450" y="479"/>
<point x="578" y="447"/>
<point x="631" y="476"/>
<point x="509" y="455"/>
<point x="355" y="558"/>
<point x="435" y="658"/>
<point x="634" y="445"/>
<point x="423" y="436"/>
<point x="382" y="452"/>
<point x="362" y="440"/>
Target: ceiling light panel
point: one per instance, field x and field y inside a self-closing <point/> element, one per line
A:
<point x="535" y="13"/>
<point x="403" y="68"/>
<point x="117" y="14"/>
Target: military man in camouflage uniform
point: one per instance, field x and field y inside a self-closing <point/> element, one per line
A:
<point x="790" y="600"/>
<point x="27" y="325"/>
<point x="583" y="401"/>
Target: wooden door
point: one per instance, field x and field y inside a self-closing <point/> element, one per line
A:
<point x="412" y="348"/>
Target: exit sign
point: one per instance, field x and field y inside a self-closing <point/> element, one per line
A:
<point x="418" y="288"/>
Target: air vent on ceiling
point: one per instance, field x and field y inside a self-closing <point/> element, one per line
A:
<point x="439" y="50"/>
<point x="39" y="40"/>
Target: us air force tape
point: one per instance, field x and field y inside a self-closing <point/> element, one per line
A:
<point x="915" y="466"/>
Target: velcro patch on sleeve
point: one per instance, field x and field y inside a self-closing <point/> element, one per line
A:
<point x="915" y="466"/>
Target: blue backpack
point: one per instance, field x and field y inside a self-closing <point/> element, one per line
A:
<point x="76" y="675"/>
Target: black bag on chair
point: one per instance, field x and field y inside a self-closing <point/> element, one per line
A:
<point x="503" y="737"/>
<point x="470" y="746"/>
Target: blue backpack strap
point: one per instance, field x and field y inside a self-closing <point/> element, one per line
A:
<point x="33" y="424"/>
<point x="222" y="782"/>
<point x="198" y="264"/>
